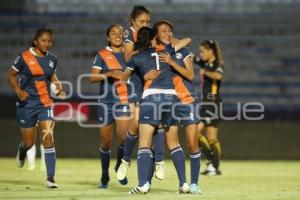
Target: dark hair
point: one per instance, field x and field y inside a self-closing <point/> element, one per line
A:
<point x="39" y="33"/>
<point x="108" y="30"/>
<point x="215" y="47"/>
<point x="144" y="37"/>
<point x="137" y="11"/>
<point x="159" y="23"/>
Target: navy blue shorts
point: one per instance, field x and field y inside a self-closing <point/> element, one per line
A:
<point x="185" y="114"/>
<point x="28" y="117"/>
<point x="107" y="113"/>
<point x="156" y="109"/>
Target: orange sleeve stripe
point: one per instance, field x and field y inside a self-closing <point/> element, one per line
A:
<point x="32" y="63"/>
<point x="182" y="92"/>
<point x="110" y="60"/>
<point x="42" y="90"/>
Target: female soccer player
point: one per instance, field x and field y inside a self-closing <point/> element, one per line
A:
<point x="36" y="70"/>
<point x="139" y="17"/>
<point x="156" y="103"/>
<point x="185" y="107"/>
<point x="211" y="72"/>
<point x="113" y="105"/>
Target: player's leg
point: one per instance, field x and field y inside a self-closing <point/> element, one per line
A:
<point x="177" y="156"/>
<point x="105" y="153"/>
<point x="30" y="155"/>
<point x="212" y="136"/>
<point x="204" y="145"/>
<point x="28" y="135"/>
<point x="159" y="151"/>
<point x="191" y="131"/>
<point x="130" y="142"/>
<point x="47" y="139"/>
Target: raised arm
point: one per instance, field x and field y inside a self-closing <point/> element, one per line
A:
<point x="179" y="44"/>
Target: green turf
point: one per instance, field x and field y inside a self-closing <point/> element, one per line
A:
<point x="78" y="179"/>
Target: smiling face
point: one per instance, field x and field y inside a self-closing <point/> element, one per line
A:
<point x="44" y="42"/>
<point x="115" y="37"/>
<point x="141" y="21"/>
<point x="164" y="34"/>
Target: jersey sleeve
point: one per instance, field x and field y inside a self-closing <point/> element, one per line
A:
<point x="128" y="37"/>
<point x="98" y="62"/>
<point x="170" y="49"/>
<point x="216" y="68"/>
<point x="185" y="54"/>
<point x="18" y="64"/>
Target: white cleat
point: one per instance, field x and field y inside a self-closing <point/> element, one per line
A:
<point x="122" y="170"/>
<point x="194" y="189"/>
<point x="160" y="170"/>
<point x="184" y="189"/>
<point x="50" y="184"/>
<point x="140" y="190"/>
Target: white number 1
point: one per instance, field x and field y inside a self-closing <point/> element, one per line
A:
<point x="156" y="60"/>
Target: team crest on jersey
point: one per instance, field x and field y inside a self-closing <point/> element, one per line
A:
<point x="178" y="55"/>
<point x="126" y="33"/>
<point x="51" y="64"/>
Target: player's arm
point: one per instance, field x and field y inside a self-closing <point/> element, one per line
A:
<point x="179" y="44"/>
<point x="126" y="74"/>
<point x="216" y="74"/>
<point x="54" y="79"/>
<point x="12" y="79"/>
<point x="128" y="51"/>
<point x="151" y="75"/>
<point x="97" y="76"/>
<point x="186" y="71"/>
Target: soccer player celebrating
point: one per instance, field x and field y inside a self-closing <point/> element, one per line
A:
<point x="139" y="17"/>
<point x="36" y="69"/>
<point x="211" y="72"/>
<point x="113" y="105"/>
<point x="156" y="103"/>
<point x="185" y="107"/>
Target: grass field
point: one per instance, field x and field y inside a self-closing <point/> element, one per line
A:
<point x="78" y="179"/>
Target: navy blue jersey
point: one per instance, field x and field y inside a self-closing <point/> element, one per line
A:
<point x="107" y="60"/>
<point x="35" y="76"/>
<point x="184" y="87"/>
<point x="148" y="60"/>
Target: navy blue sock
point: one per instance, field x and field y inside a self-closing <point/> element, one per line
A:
<point x="23" y="150"/>
<point x="195" y="167"/>
<point x="50" y="160"/>
<point x="129" y="145"/>
<point x="159" y="145"/>
<point x="144" y="158"/>
<point x="151" y="170"/>
<point x="105" y="160"/>
<point x="178" y="159"/>
<point x="120" y="154"/>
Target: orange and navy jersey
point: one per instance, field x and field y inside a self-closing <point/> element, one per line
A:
<point x="130" y="36"/>
<point x="184" y="87"/>
<point x="35" y="76"/>
<point x="147" y="60"/>
<point x="210" y="87"/>
<point x="114" y="91"/>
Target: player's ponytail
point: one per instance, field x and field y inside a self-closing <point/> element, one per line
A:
<point x="136" y="12"/>
<point x="39" y="33"/>
<point x="144" y="37"/>
<point x="215" y="47"/>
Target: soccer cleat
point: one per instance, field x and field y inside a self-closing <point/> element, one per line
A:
<point x="124" y="181"/>
<point x="184" y="189"/>
<point x="160" y="170"/>
<point x="211" y="171"/>
<point x="194" y="189"/>
<point x="141" y="190"/>
<point x="20" y="158"/>
<point x="104" y="182"/>
<point x="122" y="170"/>
<point x="51" y="183"/>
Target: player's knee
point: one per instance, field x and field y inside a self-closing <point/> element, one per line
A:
<point x="105" y="144"/>
<point x="193" y="147"/>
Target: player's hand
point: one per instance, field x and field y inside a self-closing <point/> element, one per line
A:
<point x="165" y="57"/>
<point x="152" y="74"/>
<point x="22" y="94"/>
<point x="117" y="74"/>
